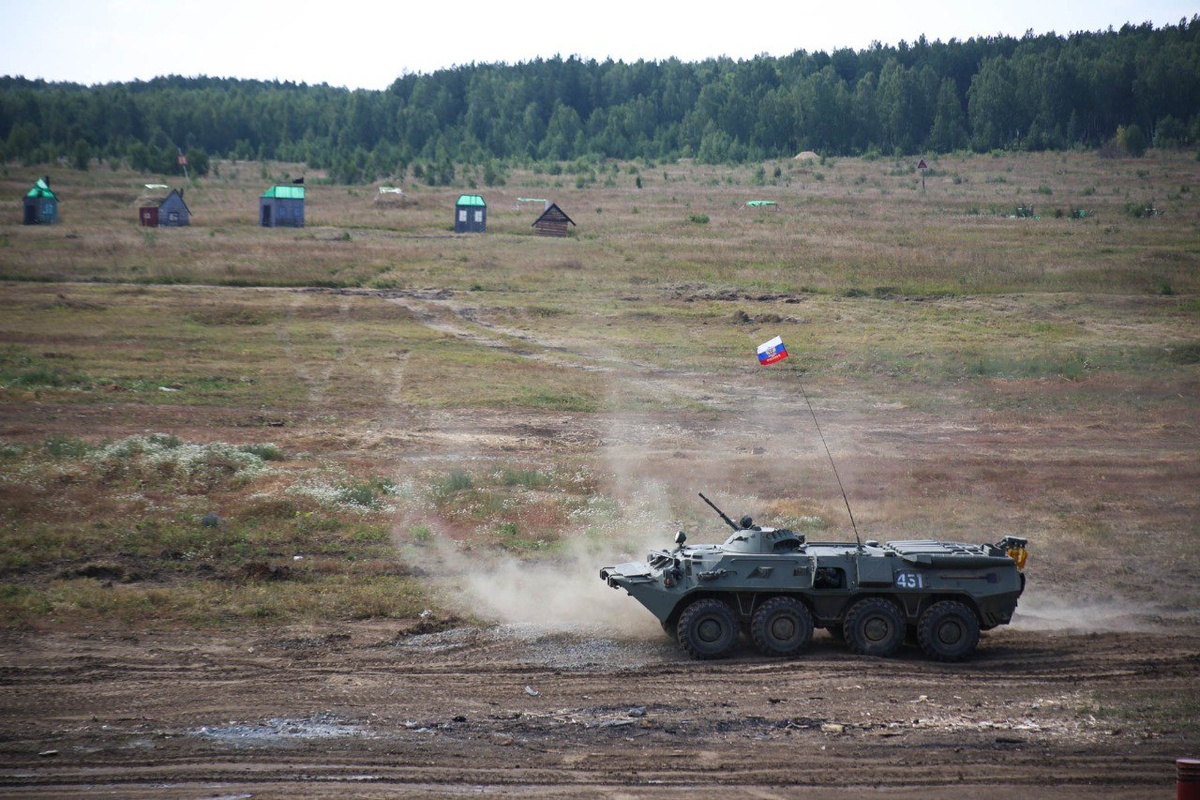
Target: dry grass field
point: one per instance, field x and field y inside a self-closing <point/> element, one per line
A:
<point x="372" y="430"/>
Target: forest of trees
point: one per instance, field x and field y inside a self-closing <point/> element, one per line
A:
<point x="1130" y="88"/>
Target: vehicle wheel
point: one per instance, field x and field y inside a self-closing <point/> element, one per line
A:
<point x="874" y="627"/>
<point x="782" y="626"/>
<point x="948" y="631"/>
<point x="670" y="629"/>
<point x="707" y="628"/>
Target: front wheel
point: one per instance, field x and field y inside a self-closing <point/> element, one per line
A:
<point x="782" y="626"/>
<point x="874" y="627"/>
<point x="708" y="628"/>
<point x="948" y="631"/>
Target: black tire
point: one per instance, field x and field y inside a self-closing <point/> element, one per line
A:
<point x="948" y="631"/>
<point x="669" y="628"/>
<point x="782" y="626"/>
<point x="708" y="628"/>
<point x="874" y="627"/>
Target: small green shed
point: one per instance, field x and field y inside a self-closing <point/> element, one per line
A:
<point x="281" y="207"/>
<point x="470" y="214"/>
<point x="41" y="204"/>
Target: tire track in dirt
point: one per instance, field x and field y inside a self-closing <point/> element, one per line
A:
<point x="408" y="714"/>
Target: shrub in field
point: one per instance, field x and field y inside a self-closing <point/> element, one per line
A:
<point x="266" y="451"/>
<point x="189" y="467"/>
<point x="456" y="481"/>
<point x="1141" y="210"/>
<point x="366" y="494"/>
<point x="530" y="479"/>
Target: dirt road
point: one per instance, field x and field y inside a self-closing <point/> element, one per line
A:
<point x="426" y="709"/>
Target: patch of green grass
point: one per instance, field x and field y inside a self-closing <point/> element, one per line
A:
<point x="232" y="315"/>
<point x="44" y="376"/>
<point x="533" y="397"/>
<point x="65" y="447"/>
<point x="530" y="479"/>
<point x="455" y="481"/>
<point x="367" y="494"/>
<point x="1069" y="366"/>
<point x="511" y="538"/>
<point x="1186" y="354"/>
<point x="267" y="451"/>
<point x="1174" y="714"/>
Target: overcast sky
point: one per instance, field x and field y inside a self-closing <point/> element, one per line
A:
<point x="369" y="44"/>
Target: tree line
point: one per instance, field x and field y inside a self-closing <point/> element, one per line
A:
<point x="1130" y="88"/>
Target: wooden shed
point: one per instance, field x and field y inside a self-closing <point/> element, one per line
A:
<point x="281" y="207"/>
<point x="41" y="204"/>
<point x="552" y="222"/>
<point x="470" y="214"/>
<point x="166" y="212"/>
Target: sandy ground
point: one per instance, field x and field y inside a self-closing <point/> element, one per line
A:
<point x="386" y="710"/>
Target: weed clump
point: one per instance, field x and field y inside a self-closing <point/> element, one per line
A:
<point x="189" y="467"/>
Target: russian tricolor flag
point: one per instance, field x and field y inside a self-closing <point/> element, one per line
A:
<point x="772" y="351"/>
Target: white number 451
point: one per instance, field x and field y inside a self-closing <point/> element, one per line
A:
<point x="910" y="580"/>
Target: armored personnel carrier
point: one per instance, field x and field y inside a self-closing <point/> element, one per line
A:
<point x="776" y="586"/>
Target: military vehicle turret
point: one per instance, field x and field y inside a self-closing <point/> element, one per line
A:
<point x="776" y="586"/>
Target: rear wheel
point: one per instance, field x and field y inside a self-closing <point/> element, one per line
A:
<point x="948" y="631"/>
<point x="782" y="626"/>
<point x="874" y="627"/>
<point x="707" y="628"/>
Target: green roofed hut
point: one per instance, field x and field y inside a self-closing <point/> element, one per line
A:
<point x="281" y="207"/>
<point x="470" y="214"/>
<point x="41" y="204"/>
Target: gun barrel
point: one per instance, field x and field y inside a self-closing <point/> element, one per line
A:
<point x="725" y="517"/>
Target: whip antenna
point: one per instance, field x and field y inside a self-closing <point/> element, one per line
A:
<point x="770" y="352"/>
<point x="832" y="464"/>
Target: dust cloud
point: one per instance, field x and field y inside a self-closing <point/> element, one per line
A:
<point x="562" y="593"/>
<point x="558" y="593"/>
<point x="562" y="596"/>
<point x="1046" y="611"/>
